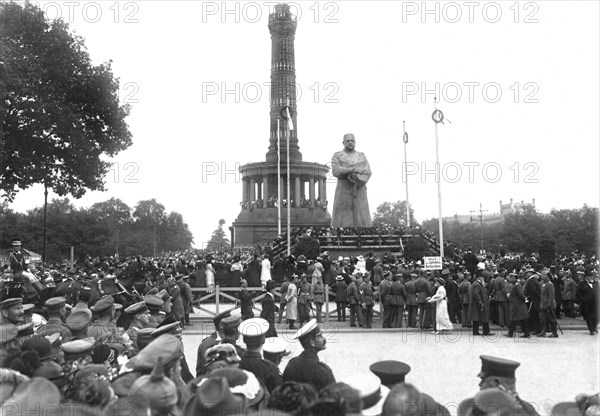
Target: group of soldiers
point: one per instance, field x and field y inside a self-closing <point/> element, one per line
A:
<point x="78" y="359"/>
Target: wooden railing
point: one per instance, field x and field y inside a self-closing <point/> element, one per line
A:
<point x="224" y="292"/>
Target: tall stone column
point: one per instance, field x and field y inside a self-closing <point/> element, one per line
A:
<point x="244" y="189"/>
<point x="297" y="190"/>
<point x="258" y="189"/>
<point x="311" y="190"/>
<point x="252" y="190"/>
<point x="282" y="26"/>
<point x="265" y="190"/>
<point x="321" y="189"/>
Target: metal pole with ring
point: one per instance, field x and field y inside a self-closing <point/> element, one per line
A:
<point x="405" y="140"/>
<point x="438" y="117"/>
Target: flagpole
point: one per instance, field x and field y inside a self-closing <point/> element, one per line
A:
<point x="278" y="179"/>
<point x="405" y="140"/>
<point x="438" y="117"/>
<point x="289" y="202"/>
<point x="290" y="127"/>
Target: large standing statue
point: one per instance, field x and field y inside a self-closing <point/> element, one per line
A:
<point x="350" y="207"/>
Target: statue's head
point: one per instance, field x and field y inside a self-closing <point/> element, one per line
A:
<point x="349" y="141"/>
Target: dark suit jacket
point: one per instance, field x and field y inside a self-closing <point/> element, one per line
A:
<point x="501" y="289"/>
<point x="268" y="313"/>
<point x="340" y="288"/>
<point x="479" y="302"/>
<point x="587" y="297"/>
<point x="518" y="309"/>
<point x="533" y="291"/>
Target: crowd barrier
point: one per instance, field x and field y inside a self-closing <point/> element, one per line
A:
<point x="219" y="293"/>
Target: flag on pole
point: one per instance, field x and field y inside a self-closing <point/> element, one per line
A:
<point x="289" y="118"/>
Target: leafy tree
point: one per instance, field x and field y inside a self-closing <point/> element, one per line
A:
<point x="392" y="214"/>
<point x="546" y="250"/>
<point x="115" y="215"/>
<point x="307" y="245"/>
<point x="219" y="240"/>
<point x="92" y="230"/>
<point x="522" y="231"/>
<point x="416" y="248"/>
<point x="59" y="113"/>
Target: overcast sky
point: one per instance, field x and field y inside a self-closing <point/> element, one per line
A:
<point x="519" y="83"/>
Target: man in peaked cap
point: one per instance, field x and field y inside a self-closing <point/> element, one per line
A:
<point x="390" y="372"/>
<point x="274" y="349"/>
<point x="11" y="311"/>
<point x="210" y="341"/>
<point x="104" y="329"/>
<point x="306" y="368"/>
<point x="154" y="303"/>
<point x="78" y="323"/>
<point x="499" y="373"/>
<point x="140" y="318"/>
<point x="56" y="314"/>
<point x="253" y="330"/>
<point x="230" y="332"/>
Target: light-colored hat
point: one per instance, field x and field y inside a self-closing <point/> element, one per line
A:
<point x="254" y="327"/>
<point x="308" y="328"/>
<point x="275" y="345"/>
<point x="372" y="392"/>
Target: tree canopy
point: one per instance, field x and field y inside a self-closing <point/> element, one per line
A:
<point x="528" y="231"/>
<point x="393" y="214"/>
<point x="103" y="229"/>
<point x="59" y="114"/>
<point x="219" y="240"/>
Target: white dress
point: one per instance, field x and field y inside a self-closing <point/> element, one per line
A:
<point x="442" y="320"/>
<point x="291" y="298"/>
<point x="210" y="276"/>
<point x="265" y="272"/>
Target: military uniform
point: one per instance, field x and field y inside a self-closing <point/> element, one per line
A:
<point x="55" y="306"/>
<point x="424" y="291"/>
<point x="132" y="333"/>
<point x="265" y="371"/>
<point x="304" y="298"/>
<point x="319" y="298"/>
<point x="204" y="346"/>
<point x="367" y="293"/>
<point x="306" y="368"/>
<point x="399" y="295"/>
<point x="355" y="301"/>
<point x="386" y="297"/>
<point x="411" y="303"/>
<point x="498" y="367"/>
<point x="107" y="332"/>
<point x="54" y="325"/>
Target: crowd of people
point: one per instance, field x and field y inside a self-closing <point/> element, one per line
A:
<point x="106" y="333"/>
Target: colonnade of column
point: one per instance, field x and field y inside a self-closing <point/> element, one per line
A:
<point x="264" y="189"/>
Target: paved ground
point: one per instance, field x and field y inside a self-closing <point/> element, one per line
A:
<point x="551" y="370"/>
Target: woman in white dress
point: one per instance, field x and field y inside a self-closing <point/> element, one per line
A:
<point x="265" y="271"/>
<point x="210" y="275"/>
<point x="291" y="299"/>
<point x="442" y="320"/>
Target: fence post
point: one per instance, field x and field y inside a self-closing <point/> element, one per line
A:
<point x="217" y="297"/>
<point x="326" y="302"/>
